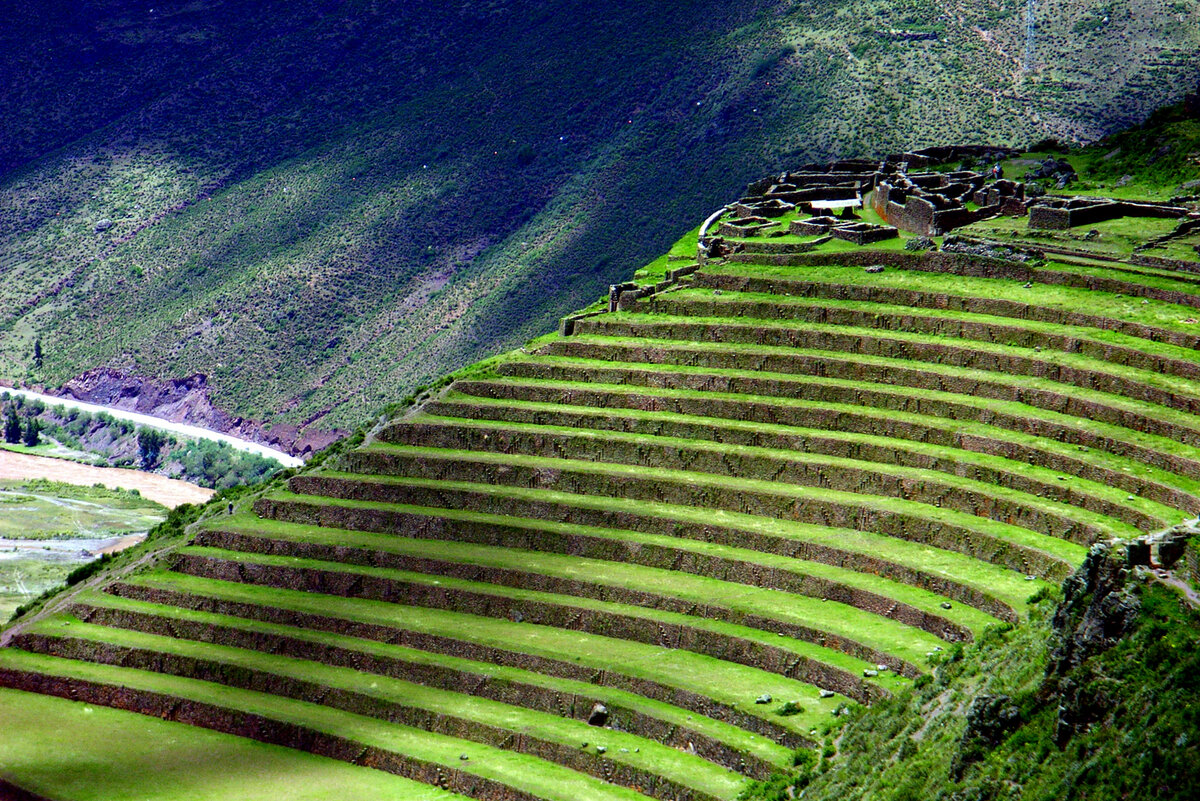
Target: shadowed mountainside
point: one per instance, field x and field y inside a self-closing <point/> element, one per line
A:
<point x="319" y="205"/>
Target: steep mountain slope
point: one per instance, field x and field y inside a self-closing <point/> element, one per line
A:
<point x="318" y="205"/>
<point x="809" y="494"/>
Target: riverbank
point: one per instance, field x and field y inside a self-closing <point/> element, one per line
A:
<point x="180" y="429"/>
<point x="170" y="492"/>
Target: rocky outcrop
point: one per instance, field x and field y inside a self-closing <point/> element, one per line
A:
<point x="1097" y="610"/>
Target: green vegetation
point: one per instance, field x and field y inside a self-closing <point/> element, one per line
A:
<point x="1136" y="735"/>
<point x="781" y="529"/>
<point x="105" y="441"/>
<point x="93" y="753"/>
<point x="351" y="206"/>
<point x="39" y="520"/>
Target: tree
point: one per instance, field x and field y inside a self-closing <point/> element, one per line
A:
<point x="33" y="430"/>
<point x="12" y="426"/>
<point x="37" y="353"/>
<point x="150" y="442"/>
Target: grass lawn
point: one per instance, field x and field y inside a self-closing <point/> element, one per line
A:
<point x="44" y="509"/>
<point x="730" y="683"/>
<point x="1117" y="238"/>
<point x="79" y="752"/>
<point x="649" y="755"/>
<point x="718" y="730"/>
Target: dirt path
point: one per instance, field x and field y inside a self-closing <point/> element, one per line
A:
<point x="1184" y="589"/>
<point x="169" y="492"/>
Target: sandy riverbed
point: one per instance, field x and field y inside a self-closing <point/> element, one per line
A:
<point x="169" y="492"/>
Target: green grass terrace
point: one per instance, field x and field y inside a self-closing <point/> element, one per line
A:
<point x="652" y="558"/>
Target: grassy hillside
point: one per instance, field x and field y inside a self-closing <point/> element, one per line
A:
<point x="792" y="519"/>
<point x="320" y="205"/>
<point x="1009" y="718"/>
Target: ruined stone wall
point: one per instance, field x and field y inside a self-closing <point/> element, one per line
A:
<point x="1056" y="216"/>
<point x="916" y="215"/>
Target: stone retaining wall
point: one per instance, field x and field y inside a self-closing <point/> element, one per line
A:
<point x="256" y="727"/>
<point x="394" y="633"/>
<point x="856" y="420"/>
<point x="347" y="584"/>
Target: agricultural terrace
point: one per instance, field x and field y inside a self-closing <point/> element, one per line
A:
<point x="654" y="555"/>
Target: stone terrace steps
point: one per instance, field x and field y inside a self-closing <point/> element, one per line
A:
<point x="632" y="761"/>
<point x="745" y="644"/>
<point x="560" y="434"/>
<point x="786" y="399"/>
<point x="823" y="562"/>
<point x="1090" y="314"/>
<point x="983" y="451"/>
<point x="489" y="773"/>
<point x="792" y="479"/>
<point x="1178" y="289"/>
<point x="1010" y="546"/>
<point x="410" y="526"/>
<point x="1054" y="338"/>
<point x="812" y="339"/>
<point x="723" y="692"/>
<point x="766" y="495"/>
<point x="718" y="742"/>
<point x="989" y="489"/>
<point x="756" y="365"/>
<point x="846" y="628"/>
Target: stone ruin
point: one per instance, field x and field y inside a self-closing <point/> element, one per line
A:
<point x="908" y="195"/>
<point x="1063" y="213"/>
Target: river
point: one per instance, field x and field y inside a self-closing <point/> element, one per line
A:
<point x="182" y="429"/>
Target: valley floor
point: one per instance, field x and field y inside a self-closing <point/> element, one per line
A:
<point x="169" y="492"/>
